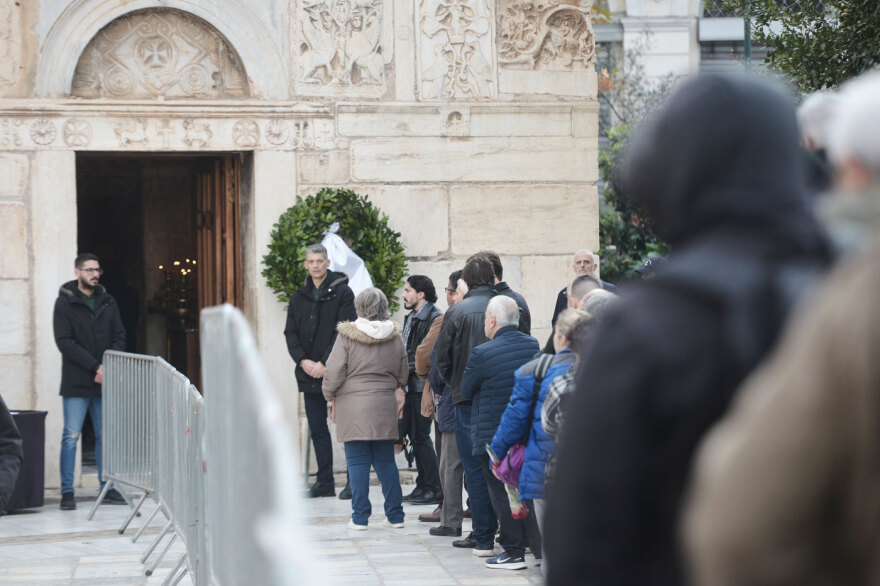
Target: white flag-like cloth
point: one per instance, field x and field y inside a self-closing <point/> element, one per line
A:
<point x="344" y="260"/>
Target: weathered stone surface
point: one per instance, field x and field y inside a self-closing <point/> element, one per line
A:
<point x="483" y="159"/>
<point x="514" y="82"/>
<point x="371" y="120"/>
<point x="13" y="174"/>
<point x="419" y="212"/>
<point x="405" y="50"/>
<point x="585" y="121"/>
<point x="13" y="241"/>
<point x="324" y="168"/>
<point x="53" y="187"/>
<point x="520" y="121"/>
<point x="543" y="277"/>
<point x="517" y="219"/>
<point x="18" y="391"/>
<point x="15" y="327"/>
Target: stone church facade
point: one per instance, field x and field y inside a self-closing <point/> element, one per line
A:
<point x="471" y="123"/>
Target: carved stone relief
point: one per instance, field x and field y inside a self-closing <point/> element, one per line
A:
<point x="77" y="133"/>
<point x="456" y="50"/>
<point x="156" y="131"/>
<point x="159" y="53"/>
<point x="546" y="35"/>
<point x="456" y="121"/>
<point x="10" y="42"/>
<point x="342" y="46"/>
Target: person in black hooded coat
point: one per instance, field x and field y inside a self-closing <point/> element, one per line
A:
<point x="720" y="173"/>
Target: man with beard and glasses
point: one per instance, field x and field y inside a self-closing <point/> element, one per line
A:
<point x="86" y="323"/>
<point x="419" y="297"/>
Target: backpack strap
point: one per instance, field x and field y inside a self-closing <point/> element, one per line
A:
<point x="540" y="372"/>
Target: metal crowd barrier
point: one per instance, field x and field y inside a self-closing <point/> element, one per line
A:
<point x="222" y="469"/>
<point x="129" y="421"/>
<point x="253" y="523"/>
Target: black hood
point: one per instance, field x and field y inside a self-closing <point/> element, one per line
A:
<point x="70" y="288"/>
<point x="723" y="152"/>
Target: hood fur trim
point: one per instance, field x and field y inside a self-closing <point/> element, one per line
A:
<point x="349" y="330"/>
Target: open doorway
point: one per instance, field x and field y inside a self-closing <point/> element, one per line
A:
<point x="167" y="229"/>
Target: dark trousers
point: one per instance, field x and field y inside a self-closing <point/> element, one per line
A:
<point x="513" y="537"/>
<point x="316" y="413"/>
<point x="482" y="514"/>
<point x="418" y="428"/>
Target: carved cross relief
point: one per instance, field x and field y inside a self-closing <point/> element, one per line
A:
<point x="548" y="35"/>
<point x="456" y="50"/>
<point x="159" y="53"/>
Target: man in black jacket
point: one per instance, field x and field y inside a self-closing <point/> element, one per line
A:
<point x="419" y="297"/>
<point x="720" y="173"/>
<point x="462" y="331"/>
<point x="10" y="454"/>
<point x="324" y="300"/>
<point x="86" y="323"/>
<point x="502" y="288"/>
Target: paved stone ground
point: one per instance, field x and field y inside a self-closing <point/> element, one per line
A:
<point x="50" y="547"/>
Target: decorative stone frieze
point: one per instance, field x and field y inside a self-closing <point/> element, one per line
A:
<point x="10" y="43"/>
<point x="157" y="131"/>
<point x="456" y="50"/>
<point x="342" y="47"/>
<point x="545" y="35"/>
<point x="159" y="53"/>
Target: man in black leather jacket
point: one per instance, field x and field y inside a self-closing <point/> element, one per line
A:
<point x="462" y="331"/>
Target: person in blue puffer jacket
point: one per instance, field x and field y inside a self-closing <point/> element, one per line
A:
<point x="520" y="411"/>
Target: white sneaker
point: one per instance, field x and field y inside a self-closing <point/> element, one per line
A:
<point x="387" y="523"/>
<point x="483" y="553"/>
<point x="355" y="527"/>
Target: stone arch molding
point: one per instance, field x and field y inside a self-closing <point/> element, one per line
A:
<point x="238" y="25"/>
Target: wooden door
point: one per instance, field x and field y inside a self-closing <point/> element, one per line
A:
<point x="218" y="223"/>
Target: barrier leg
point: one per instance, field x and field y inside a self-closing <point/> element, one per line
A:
<point x="180" y="577"/>
<point x="98" y="502"/>
<point x="159" y="538"/>
<point x="143" y="527"/>
<point x="168" y="545"/>
<point x="173" y="574"/>
<point x="134" y="512"/>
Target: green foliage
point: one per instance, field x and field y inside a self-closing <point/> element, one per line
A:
<point x="818" y="44"/>
<point x="625" y="236"/>
<point x="361" y="225"/>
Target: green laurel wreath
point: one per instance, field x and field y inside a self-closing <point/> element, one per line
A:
<point x="361" y="225"/>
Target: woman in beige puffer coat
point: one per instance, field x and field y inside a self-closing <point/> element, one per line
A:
<point x="365" y="371"/>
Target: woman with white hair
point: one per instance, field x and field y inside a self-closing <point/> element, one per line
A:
<point x="364" y="374"/>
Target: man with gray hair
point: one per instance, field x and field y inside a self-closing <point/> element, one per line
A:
<point x="853" y="213"/>
<point x="585" y="262"/>
<point x="324" y="300"/>
<point x="814" y="116"/>
<point x="488" y="382"/>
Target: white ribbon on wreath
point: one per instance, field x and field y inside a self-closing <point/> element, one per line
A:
<point x="344" y="260"/>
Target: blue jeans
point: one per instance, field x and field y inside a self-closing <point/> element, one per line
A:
<point x="483" y="516"/>
<point x="380" y="455"/>
<point x="74" y="414"/>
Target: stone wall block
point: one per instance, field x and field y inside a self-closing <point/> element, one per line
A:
<point x="585" y="121"/>
<point x="419" y="212"/>
<point x="324" y="168"/>
<point x="15" y="327"/>
<point x="582" y="84"/>
<point x="13" y="175"/>
<point x="13" y="241"/>
<point x="543" y="278"/>
<point x="477" y="159"/>
<point x="18" y="392"/>
<point x="519" y="121"/>
<point x="518" y="219"/>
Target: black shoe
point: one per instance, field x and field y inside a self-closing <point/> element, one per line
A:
<point x="467" y="542"/>
<point x="345" y="493"/>
<point x="319" y="490"/>
<point x="114" y="498"/>
<point x="416" y="493"/>
<point x="68" y="503"/>
<point x="443" y="531"/>
<point x="429" y="497"/>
